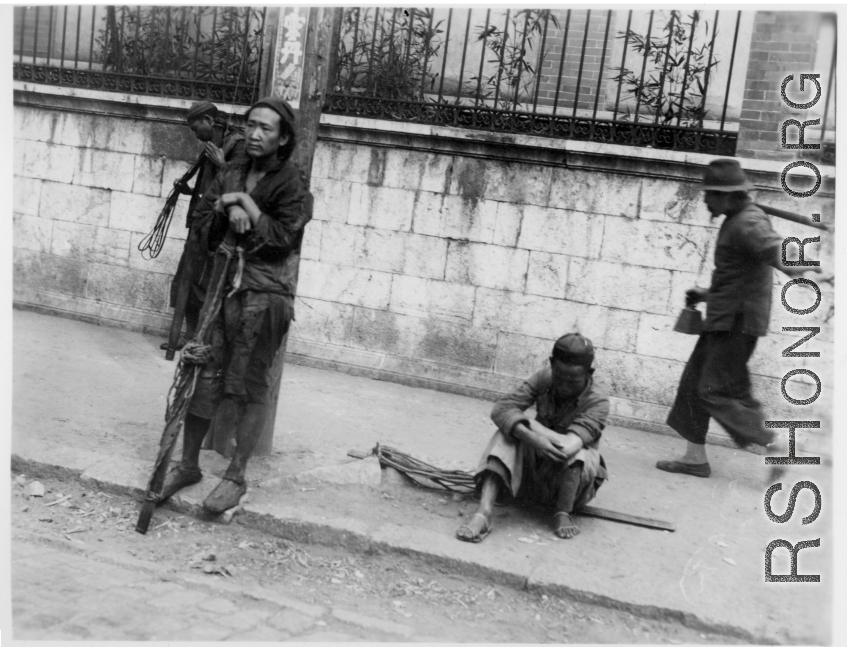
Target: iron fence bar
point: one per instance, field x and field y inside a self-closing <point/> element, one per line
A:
<point x="581" y="62"/>
<point x="78" y="24"/>
<point x="623" y="63"/>
<point x="91" y="42"/>
<point x="35" y="35"/>
<point x="644" y="64"/>
<point x="664" y="70"/>
<point x="350" y="72"/>
<point x="50" y="36"/>
<point x="257" y="86"/>
<point x="181" y="37"/>
<point x="373" y="47"/>
<point x="121" y="41"/>
<point x="23" y="31"/>
<point x="426" y="53"/>
<point x="829" y="88"/>
<point x="391" y="36"/>
<point x="602" y="63"/>
<point x="500" y="67"/>
<point x="520" y="61"/>
<point x="212" y="43"/>
<point x="462" y="66"/>
<point x="444" y="57"/>
<point x="540" y="63"/>
<point x="731" y="64"/>
<point x="709" y="67"/>
<point x="408" y="38"/>
<point x="64" y="34"/>
<point x="694" y="19"/>
<point x="562" y="61"/>
<point x="198" y="17"/>
<point x="167" y="40"/>
<point x="481" y="61"/>
<point x="135" y="42"/>
<point x="153" y="34"/>
<point x="245" y="53"/>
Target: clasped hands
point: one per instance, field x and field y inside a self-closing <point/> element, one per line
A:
<point x="242" y="211"/>
<point x="553" y="446"/>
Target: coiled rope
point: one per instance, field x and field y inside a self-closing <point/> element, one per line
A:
<point x="453" y="480"/>
<point x="151" y="245"/>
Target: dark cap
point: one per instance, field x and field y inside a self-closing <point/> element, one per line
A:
<point x="725" y="175"/>
<point x="200" y="109"/>
<point x="279" y="106"/>
<point x="573" y="348"/>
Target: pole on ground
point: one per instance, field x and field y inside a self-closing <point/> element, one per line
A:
<point x="316" y="57"/>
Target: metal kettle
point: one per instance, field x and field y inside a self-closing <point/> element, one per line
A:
<point x="690" y="321"/>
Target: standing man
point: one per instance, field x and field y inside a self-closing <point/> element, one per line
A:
<point x="553" y="460"/>
<point x="261" y="202"/>
<point x="222" y="147"/>
<point x="715" y="382"/>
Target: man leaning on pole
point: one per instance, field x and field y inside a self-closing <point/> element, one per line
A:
<point x="715" y="382"/>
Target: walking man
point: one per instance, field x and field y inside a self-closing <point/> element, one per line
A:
<point x="554" y="460"/>
<point x="715" y="382"/>
<point x="262" y="202"/>
<point x="222" y="147"/>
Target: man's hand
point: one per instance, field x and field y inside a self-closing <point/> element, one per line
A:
<point x="244" y="201"/>
<point x="695" y="296"/>
<point x="214" y="154"/>
<point x="182" y="187"/>
<point x="546" y="442"/>
<point x="239" y="220"/>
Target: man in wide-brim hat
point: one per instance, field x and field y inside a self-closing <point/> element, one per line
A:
<point x="715" y="382"/>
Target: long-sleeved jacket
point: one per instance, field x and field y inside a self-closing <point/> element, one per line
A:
<point x="272" y="247"/>
<point x="584" y="415"/>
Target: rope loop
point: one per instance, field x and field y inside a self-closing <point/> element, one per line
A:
<point x="196" y="353"/>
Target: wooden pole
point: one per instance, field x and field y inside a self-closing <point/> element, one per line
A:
<point x="316" y="64"/>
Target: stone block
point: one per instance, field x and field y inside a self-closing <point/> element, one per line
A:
<point x="75" y="129"/>
<point x="504" y="181"/>
<point x="656" y="338"/>
<point x="619" y="285"/>
<point x="322" y="321"/>
<point x="343" y="161"/>
<point x="548" y="274"/>
<point x="437" y="169"/>
<point x="366" y="622"/>
<point x="490" y="266"/>
<point x="147" y="176"/>
<point x="132" y="212"/>
<point x="71" y="203"/>
<point x="561" y="232"/>
<point x="459" y="218"/>
<point x="423" y="338"/>
<point x="507" y="224"/>
<point x="292" y="621"/>
<point x="645" y="379"/>
<point x="428" y="298"/>
<point x="547" y="318"/>
<point x="380" y="207"/>
<point x="18" y="156"/>
<point x="173" y="141"/>
<point x="105" y="169"/>
<point x="402" y="253"/>
<point x="671" y="201"/>
<point x="72" y="239"/>
<point x="48" y="272"/>
<point x="426" y="217"/>
<point x="332" y="199"/>
<point x="113" y="247"/>
<point x="648" y="243"/>
<point x="311" y="247"/>
<point x="33" y="233"/>
<point x="596" y="193"/>
<point x="343" y="284"/>
<point x="165" y="263"/>
<point x="37" y="124"/>
<point x="129" y="287"/>
<point x="521" y="355"/>
<point x="172" y="170"/>
<point x="403" y="169"/>
<point x="340" y="243"/>
<point x="26" y="195"/>
<point x="49" y="161"/>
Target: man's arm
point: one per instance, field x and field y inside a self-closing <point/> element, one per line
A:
<point x="509" y="409"/>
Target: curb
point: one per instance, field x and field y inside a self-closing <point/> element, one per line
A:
<point x="353" y="539"/>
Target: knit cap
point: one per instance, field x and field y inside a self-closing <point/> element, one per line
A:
<point x="573" y="348"/>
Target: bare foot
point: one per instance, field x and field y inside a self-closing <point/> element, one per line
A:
<point x="564" y="525"/>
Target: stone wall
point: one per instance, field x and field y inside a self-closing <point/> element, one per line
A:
<point x="437" y="257"/>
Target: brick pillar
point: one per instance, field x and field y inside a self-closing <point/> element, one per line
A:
<point x="783" y="43"/>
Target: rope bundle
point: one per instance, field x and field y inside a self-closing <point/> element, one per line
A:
<point x="453" y="480"/>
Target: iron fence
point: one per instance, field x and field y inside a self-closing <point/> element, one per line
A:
<point x="207" y="53"/>
<point x="556" y="73"/>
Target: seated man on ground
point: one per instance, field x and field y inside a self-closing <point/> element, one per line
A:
<point x="553" y="460"/>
